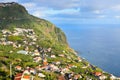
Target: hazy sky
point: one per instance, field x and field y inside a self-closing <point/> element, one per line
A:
<point x="74" y="11"/>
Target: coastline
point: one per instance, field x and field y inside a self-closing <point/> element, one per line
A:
<point x="99" y="40"/>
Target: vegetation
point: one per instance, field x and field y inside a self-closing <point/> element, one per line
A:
<point x="15" y="38"/>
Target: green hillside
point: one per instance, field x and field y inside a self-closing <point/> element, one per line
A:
<point x="28" y="43"/>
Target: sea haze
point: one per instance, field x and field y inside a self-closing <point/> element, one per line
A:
<point x="99" y="44"/>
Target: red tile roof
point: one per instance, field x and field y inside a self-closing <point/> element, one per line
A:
<point x="26" y="76"/>
<point x="18" y="67"/>
<point x="98" y="73"/>
<point x="61" y="77"/>
<point x="18" y="76"/>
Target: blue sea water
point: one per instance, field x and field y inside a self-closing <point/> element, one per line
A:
<point x="99" y="44"/>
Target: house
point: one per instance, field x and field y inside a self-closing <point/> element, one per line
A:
<point x="53" y="67"/>
<point x="4" y="35"/>
<point x="26" y="48"/>
<point x="61" y="77"/>
<point x="65" y="70"/>
<point x="98" y="73"/>
<point x="61" y="55"/>
<point x="71" y="66"/>
<point x="58" y="63"/>
<point x="37" y="59"/>
<point x="9" y="43"/>
<point x="53" y="56"/>
<point x="3" y="39"/>
<point x="6" y="32"/>
<point x="32" y="71"/>
<point x="18" y="76"/>
<point x="15" y="34"/>
<point x="11" y="51"/>
<point x="79" y="59"/>
<point x="3" y="43"/>
<point x="63" y="51"/>
<point x="19" y="45"/>
<point x="14" y="45"/>
<point x="102" y="77"/>
<point x="18" y="68"/>
<point x="41" y="75"/>
<point x="36" y="53"/>
<point x="26" y="77"/>
<point x="26" y="72"/>
<point x="34" y="39"/>
<point x="77" y="76"/>
<point x="45" y="63"/>
<point x="112" y="77"/>
<point x="40" y="67"/>
<point x="23" y="52"/>
<point x="49" y="49"/>
<point x="32" y="43"/>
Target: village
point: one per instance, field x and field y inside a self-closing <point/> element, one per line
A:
<point x="6" y="4"/>
<point x="26" y="38"/>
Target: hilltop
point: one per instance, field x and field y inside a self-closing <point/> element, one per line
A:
<point x="34" y="48"/>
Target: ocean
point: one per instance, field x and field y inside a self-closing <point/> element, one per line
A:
<point x="97" y="43"/>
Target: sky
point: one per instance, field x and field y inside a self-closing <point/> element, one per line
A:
<point x="74" y="11"/>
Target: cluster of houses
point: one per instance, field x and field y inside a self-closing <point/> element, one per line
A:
<point x="26" y="75"/>
<point x="7" y="4"/>
<point x="39" y="54"/>
<point x="18" y="32"/>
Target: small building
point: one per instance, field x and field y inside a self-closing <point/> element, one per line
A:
<point x="45" y="63"/>
<point x="61" y="77"/>
<point x="61" y="55"/>
<point x="18" y="76"/>
<point x="32" y="71"/>
<point x="37" y="59"/>
<point x="18" y="68"/>
<point x="26" y="77"/>
<point x="53" y="67"/>
<point x="53" y="56"/>
<point x="98" y="73"/>
<point x="23" y="52"/>
<point x="112" y="77"/>
<point x="36" y="53"/>
<point x="102" y="77"/>
<point x="58" y="63"/>
<point x="49" y="49"/>
<point x="26" y="72"/>
<point x="77" y="76"/>
<point x="41" y="75"/>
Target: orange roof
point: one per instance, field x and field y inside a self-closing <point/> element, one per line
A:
<point x="70" y="65"/>
<point x="18" y="66"/>
<point x="45" y="63"/>
<point x="26" y="76"/>
<point x="98" y="73"/>
<point x="61" y="77"/>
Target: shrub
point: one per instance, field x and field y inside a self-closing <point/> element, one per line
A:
<point x="15" y="38"/>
